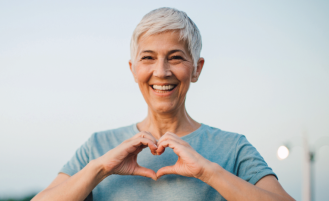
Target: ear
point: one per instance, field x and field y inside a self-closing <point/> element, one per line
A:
<point x="132" y="70"/>
<point x="199" y="67"/>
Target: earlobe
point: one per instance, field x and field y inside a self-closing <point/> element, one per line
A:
<point x="195" y="77"/>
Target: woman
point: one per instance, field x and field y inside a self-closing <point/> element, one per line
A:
<point x="201" y="162"/>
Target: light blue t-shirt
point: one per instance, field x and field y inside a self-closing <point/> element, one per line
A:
<point x="230" y="150"/>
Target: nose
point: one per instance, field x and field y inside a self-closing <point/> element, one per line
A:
<point x="162" y="69"/>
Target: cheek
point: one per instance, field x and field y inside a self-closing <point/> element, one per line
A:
<point x="142" y="75"/>
<point x="184" y="75"/>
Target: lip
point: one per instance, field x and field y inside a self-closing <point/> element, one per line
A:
<point x="163" y="84"/>
<point x="163" y="94"/>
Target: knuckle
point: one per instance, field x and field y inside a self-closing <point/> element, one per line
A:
<point x="146" y="134"/>
<point x="169" y="141"/>
<point x="142" y="139"/>
<point x="146" y="140"/>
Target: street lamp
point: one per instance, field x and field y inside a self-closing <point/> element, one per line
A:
<point x="308" y="163"/>
<point x="283" y="152"/>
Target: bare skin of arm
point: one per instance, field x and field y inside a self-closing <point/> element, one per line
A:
<point x="76" y="187"/>
<point x="192" y="164"/>
<point x="120" y="160"/>
<point x="232" y="187"/>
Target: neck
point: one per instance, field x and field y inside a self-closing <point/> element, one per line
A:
<point x="178" y="122"/>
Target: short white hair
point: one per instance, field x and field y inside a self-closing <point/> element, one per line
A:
<point x="168" y="19"/>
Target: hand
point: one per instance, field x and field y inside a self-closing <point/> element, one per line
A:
<point x="122" y="159"/>
<point x="190" y="163"/>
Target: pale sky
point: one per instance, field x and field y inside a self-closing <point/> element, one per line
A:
<point x="64" y="74"/>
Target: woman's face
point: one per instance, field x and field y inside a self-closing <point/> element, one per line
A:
<point x="163" y="70"/>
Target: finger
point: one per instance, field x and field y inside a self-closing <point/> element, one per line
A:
<point x="169" y="135"/>
<point x="144" y="142"/>
<point x="166" y="170"/>
<point x="145" y="172"/>
<point x="145" y="134"/>
<point x="167" y="143"/>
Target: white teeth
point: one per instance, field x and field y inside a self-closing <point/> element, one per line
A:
<point x="163" y="87"/>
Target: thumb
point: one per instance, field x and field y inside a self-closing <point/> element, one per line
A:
<point x="145" y="172"/>
<point x="166" y="170"/>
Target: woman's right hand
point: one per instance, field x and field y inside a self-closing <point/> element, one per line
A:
<point x="122" y="159"/>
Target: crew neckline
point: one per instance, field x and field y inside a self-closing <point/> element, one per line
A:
<point x="185" y="137"/>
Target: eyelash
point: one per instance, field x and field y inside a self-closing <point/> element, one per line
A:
<point x="175" y="57"/>
<point x="147" y="57"/>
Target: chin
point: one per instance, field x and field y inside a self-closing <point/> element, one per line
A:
<point x="164" y="108"/>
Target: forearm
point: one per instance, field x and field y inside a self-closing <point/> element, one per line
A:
<point x="232" y="187"/>
<point x="76" y="187"/>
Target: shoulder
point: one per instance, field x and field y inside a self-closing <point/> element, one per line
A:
<point x="229" y="142"/>
<point x="218" y="135"/>
<point x="234" y="153"/>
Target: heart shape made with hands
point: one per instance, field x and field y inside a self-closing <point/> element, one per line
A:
<point x="189" y="163"/>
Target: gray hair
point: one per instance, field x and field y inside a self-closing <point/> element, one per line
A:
<point x="168" y="19"/>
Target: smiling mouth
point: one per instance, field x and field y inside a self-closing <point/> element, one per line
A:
<point x="163" y="88"/>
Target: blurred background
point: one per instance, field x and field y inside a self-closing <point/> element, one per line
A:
<point x="64" y="75"/>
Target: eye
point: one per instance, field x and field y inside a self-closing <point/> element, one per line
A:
<point x="146" y="58"/>
<point x="176" y="57"/>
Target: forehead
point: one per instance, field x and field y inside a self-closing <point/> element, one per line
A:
<point x="162" y="42"/>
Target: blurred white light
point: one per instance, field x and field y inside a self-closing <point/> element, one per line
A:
<point x="283" y="152"/>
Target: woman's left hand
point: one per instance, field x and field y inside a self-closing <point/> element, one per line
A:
<point x="190" y="163"/>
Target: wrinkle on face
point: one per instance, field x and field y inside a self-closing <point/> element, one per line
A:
<point x="163" y="58"/>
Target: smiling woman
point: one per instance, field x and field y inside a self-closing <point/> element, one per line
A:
<point x="163" y="69"/>
<point x="201" y="162"/>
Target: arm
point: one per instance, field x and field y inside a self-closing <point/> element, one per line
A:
<point x="120" y="160"/>
<point x="231" y="187"/>
<point x="76" y="187"/>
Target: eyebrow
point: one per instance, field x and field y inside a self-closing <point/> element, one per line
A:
<point x="170" y="52"/>
<point x="177" y="50"/>
<point x="147" y="51"/>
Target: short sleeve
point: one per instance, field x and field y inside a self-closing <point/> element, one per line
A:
<point x="79" y="160"/>
<point x="250" y="165"/>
